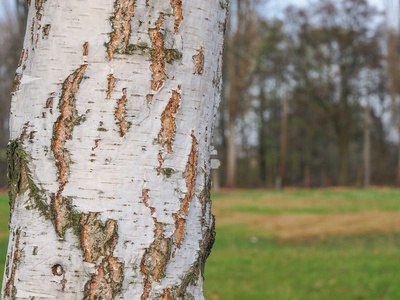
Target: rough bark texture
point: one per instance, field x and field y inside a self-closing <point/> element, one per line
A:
<point x="109" y="157"/>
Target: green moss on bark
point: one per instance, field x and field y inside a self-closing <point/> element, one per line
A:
<point x="19" y="177"/>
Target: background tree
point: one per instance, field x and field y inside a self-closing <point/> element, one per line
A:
<point x="320" y="57"/>
<point x="392" y="46"/>
<point x="272" y="83"/>
<point x="240" y="53"/>
<point x="335" y="47"/>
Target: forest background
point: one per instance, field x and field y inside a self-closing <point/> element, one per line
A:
<point x="310" y="95"/>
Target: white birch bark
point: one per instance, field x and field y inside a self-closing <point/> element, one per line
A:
<point x="109" y="170"/>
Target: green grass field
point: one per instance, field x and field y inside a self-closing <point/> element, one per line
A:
<point x="318" y="244"/>
<point x="298" y="244"/>
<point x="4" y="216"/>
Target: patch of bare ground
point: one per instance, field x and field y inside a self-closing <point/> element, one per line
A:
<point x="282" y="201"/>
<point x="309" y="226"/>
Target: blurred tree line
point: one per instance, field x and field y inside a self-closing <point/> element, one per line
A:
<point x="306" y="100"/>
<point x="310" y="96"/>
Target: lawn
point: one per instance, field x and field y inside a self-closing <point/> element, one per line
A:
<point x="298" y="244"/>
<point x="318" y="244"/>
<point x="4" y="216"/>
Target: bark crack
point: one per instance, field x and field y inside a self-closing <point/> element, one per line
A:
<point x="198" y="60"/>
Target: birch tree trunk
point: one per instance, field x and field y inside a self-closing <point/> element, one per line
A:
<point x="109" y="168"/>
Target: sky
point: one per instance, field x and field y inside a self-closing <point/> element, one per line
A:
<point x="279" y="4"/>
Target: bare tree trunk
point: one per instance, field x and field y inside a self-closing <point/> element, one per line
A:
<point x="109" y="169"/>
<point x="367" y="147"/>
<point x="231" y="167"/>
<point x="307" y="177"/>
<point x="343" y="154"/>
<point x="281" y="179"/>
<point x="398" y="158"/>
<point x="393" y="74"/>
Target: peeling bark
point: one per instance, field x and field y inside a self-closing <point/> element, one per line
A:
<point x="21" y="58"/>
<point x="166" y="294"/>
<point x="38" y="5"/>
<point x="168" y="123"/>
<point x="10" y="289"/>
<point x="156" y="257"/>
<point x="177" y="7"/>
<point x="62" y="132"/>
<point x="98" y="242"/>
<point x="157" y="62"/>
<point x="32" y="30"/>
<point x="17" y="82"/>
<point x="111" y="85"/>
<point x="198" y="60"/>
<point x="190" y="178"/>
<point x="149" y="98"/>
<point x="46" y="30"/>
<point x="120" y="114"/>
<point x="121" y="23"/>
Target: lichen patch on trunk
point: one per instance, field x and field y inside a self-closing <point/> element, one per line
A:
<point x="157" y="62"/>
<point x="121" y="24"/>
<point x="177" y="7"/>
<point x="17" y="177"/>
<point x="168" y="122"/>
<point x="98" y="242"/>
<point x="62" y="211"/>
<point x="198" y="60"/>
<point x="120" y="113"/>
<point x="63" y="129"/>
